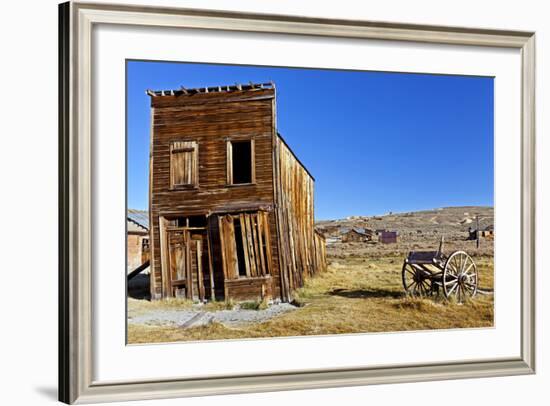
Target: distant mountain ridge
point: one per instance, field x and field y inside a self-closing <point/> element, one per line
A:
<point x="444" y="220"/>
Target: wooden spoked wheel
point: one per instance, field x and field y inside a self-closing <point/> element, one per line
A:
<point x="460" y="277"/>
<point x="416" y="281"/>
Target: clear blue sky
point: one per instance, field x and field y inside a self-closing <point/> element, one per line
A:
<point x="375" y="142"/>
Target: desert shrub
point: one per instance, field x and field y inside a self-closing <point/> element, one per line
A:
<point x="254" y="305"/>
<point x="222" y="305"/>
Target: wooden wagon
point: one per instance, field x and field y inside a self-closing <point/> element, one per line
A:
<point x="427" y="273"/>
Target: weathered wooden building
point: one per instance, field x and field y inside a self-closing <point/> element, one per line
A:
<point x="137" y="242"/>
<point x="488" y="233"/>
<point x="356" y="234"/>
<point x="231" y="206"/>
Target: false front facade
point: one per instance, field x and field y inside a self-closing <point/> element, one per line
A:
<point x="231" y="206"/>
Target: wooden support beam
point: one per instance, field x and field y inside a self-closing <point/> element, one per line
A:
<point x="199" y="270"/>
<point x="189" y="271"/>
<point x="210" y="261"/>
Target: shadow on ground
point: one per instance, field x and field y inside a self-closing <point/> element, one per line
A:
<point x="138" y="287"/>
<point x="365" y="293"/>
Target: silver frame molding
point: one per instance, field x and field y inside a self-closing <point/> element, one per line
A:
<point x="76" y="21"/>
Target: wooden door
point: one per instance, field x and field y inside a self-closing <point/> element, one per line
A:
<point x="188" y="263"/>
<point x="245" y="245"/>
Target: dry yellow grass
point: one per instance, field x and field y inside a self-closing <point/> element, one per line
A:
<point x="355" y="295"/>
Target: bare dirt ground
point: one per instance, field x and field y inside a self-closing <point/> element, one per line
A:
<point x="195" y="315"/>
<point x="360" y="292"/>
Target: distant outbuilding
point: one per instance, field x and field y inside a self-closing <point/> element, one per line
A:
<point x="137" y="223"/>
<point x="488" y="232"/>
<point x="356" y="234"/>
<point x="387" y="237"/>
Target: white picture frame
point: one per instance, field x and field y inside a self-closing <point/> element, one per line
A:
<point x="77" y="383"/>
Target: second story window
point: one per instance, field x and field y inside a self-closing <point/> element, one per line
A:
<point x="240" y="162"/>
<point x="184" y="164"/>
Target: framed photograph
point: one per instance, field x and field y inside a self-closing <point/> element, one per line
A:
<point x="262" y="202"/>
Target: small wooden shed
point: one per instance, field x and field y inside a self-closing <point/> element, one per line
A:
<point x="356" y="234"/>
<point x="137" y="242"/>
<point x="488" y="232"/>
<point x="231" y="205"/>
<point x="387" y="237"/>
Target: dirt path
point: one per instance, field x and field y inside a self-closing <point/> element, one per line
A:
<point x="196" y="317"/>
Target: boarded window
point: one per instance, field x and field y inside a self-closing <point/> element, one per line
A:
<point x="189" y="221"/>
<point x="240" y="162"/>
<point x="245" y="244"/>
<point x="184" y="164"/>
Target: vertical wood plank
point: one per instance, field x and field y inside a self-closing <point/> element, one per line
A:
<point x="228" y="237"/>
<point x="165" y="276"/>
<point x="211" y="263"/>
<point x="195" y="180"/>
<point x="267" y="235"/>
<point x="172" y="164"/>
<point x="245" y="244"/>
<point x="232" y="247"/>
<point x="229" y="167"/>
<point x="250" y="242"/>
<point x="199" y="269"/>
<point x="261" y="253"/>
<point x="225" y="260"/>
<point x="257" y="250"/>
<point x="153" y="258"/>
<point x="189" y="282"/>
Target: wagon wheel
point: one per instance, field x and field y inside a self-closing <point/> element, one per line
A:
<point x="460" y="276"/>
<point x="416" y="281"/>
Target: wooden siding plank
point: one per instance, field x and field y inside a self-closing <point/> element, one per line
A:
<point x="211" y="266"/>
<point x="257" y="247"/>
<point x="229" y="163"/>
<point x="260" y="241"/>
<point x="199" y="270"/>
<point x="251" y="248"/>
<point x="189" y="275"/>
<point x="242" y="218"/>
<point x="269" y="259"/>
<point x="227" y="236"/>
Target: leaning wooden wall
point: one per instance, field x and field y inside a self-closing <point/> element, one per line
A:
<point x="320" y="252"/>
<point x="295" y="218"/>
